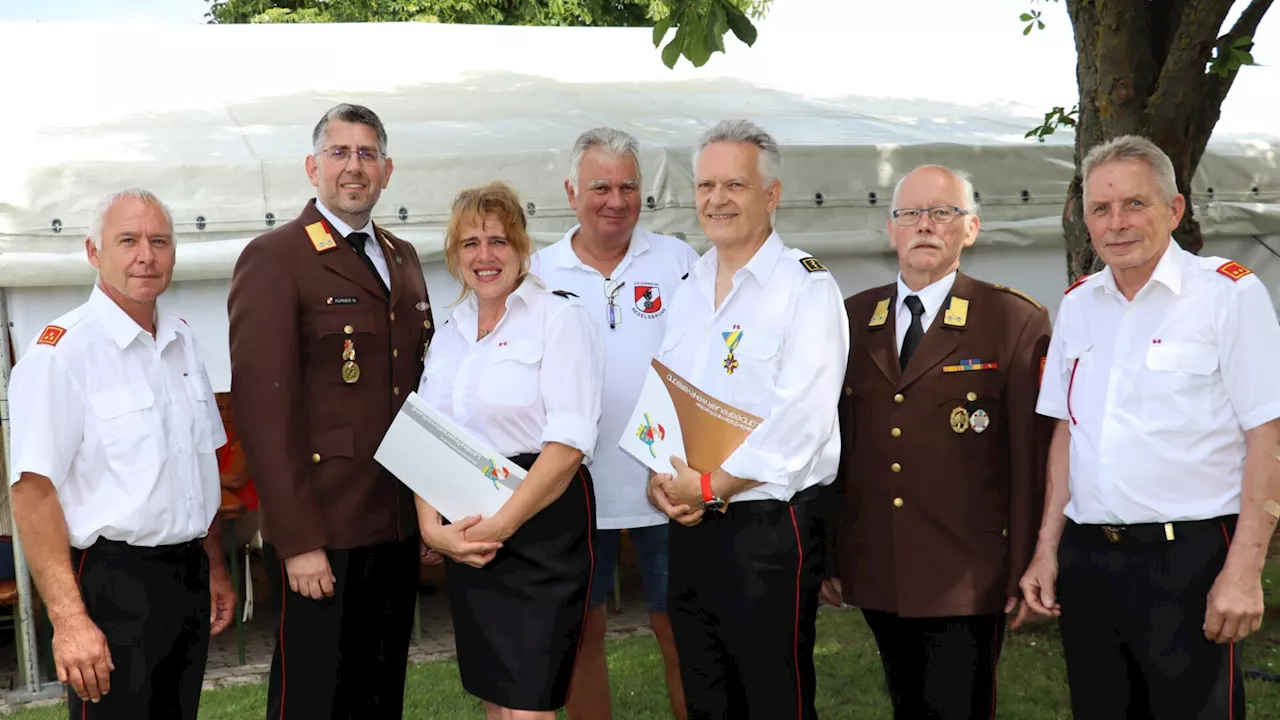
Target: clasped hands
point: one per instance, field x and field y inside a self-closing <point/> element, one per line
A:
<point x="678" y="496"/>
<point x="473" y="540"/>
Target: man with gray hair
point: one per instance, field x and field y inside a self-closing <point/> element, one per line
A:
<point x="115" y="482"/>
<point x="761" y="327"/>
<point x="329" y="323"/>
<point x="627" y="275"/>
<point x="942" y="462"/>
<point x="1163" y="486"/>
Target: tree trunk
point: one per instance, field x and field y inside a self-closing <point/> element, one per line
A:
<point x="1141" y="70"/>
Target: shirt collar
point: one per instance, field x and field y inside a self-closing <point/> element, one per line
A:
<point x="343" y="228"/>
<point x="467" y="314"/>
<point x="931" y="295"/>
<point x="565" y="257"/>
<point x="1168" y="271"/>
<point x="122" y="329"/>
<point x="761" y="265"/>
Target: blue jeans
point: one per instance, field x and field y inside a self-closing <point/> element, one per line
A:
<point x="651" y="545"/>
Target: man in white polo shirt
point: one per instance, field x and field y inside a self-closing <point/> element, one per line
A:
<point x="626" y="275"/>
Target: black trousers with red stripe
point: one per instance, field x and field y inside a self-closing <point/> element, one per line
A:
<point x="1133" y="611"/>
<point x="152" y="604"/>
<point x="345" y="657"/>
<point x="743" y="598"/>
<point x="941" y="668"/>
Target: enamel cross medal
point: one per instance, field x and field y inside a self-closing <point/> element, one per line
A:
<point x="732" y="339"/>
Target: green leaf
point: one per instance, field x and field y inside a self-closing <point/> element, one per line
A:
<point x="1241" y="57"/>
<point x="1241" y="41"/>
<point x="1027" y="30"/>
<point x="715" y="36"/>
<point x="1040" y="24"/>
<point x="741" y="26"/>
<point x="671" y="53"/>
<point x="660" y="29"/>
<point x="1025" y="17"/>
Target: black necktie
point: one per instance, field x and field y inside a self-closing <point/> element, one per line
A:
<point x="357" y="240"/>
<point x="914" y="332"/>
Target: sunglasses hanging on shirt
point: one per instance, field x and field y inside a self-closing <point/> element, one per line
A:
<point x="611" y="290"/>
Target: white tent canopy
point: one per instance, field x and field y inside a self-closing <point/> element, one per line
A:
<point x="217" y="121"/>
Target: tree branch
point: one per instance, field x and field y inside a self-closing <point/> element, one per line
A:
<point x="1184" y="65"/>
<point x="1214" y="88"/>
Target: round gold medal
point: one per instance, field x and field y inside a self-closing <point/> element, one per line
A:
<point x="350" y="372"/>
<point x="960" y="420"/>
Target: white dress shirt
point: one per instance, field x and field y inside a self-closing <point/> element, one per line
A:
<point x="535" y="379"/>
<point x="124" y="424"/>
<point x="931" y="296"/>
<point x="371" y="244"/>
<point x="791" y="358"/>
<point x="1160" y="391"/>
<point x="649" y="274"/>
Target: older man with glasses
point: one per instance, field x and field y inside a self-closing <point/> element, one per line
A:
<point x="630" y="274"/>
<point x="942" y="460"/>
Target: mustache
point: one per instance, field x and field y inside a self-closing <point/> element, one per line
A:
<point x="925" y="241"/>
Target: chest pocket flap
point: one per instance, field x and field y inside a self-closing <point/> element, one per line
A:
<point x="120" y="400"/>
<point x="510" y="375"/>
<point x="527" y="352"/>
<point x="336" y="323"/>
<point x="1184" y="357"/>
<point x="759" y="344"/>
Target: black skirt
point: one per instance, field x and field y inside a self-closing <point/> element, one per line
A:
<point x="517" y="621"/>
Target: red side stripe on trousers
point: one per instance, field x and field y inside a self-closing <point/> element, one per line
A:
<point x="591" y="576"/>
<point x="84" y="706"/>
<point x="1231" y="654"/>
<point x="284" y="584"/>
<point x="795" y="636"/>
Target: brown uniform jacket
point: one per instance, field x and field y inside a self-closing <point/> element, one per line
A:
<point x="309" y="435"/>
<point x="940" y="519"/>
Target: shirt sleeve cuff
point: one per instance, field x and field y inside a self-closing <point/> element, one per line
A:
<point x="749" y="464"/>
<point x="1052" y="409"/>
<point x="572" y="430"/>
<point x="1260" y="416"/>
<point x="45" y="469"/>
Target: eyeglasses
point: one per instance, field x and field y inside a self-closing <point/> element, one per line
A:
<point x="611" y="290"/>
<point x="940" y="215"/>
<point x="340" y="155"/>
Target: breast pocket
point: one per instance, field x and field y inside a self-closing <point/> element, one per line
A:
<point x="201" y="412"/>
<point x="1178" y="386"/>
<point x="510" y="374"/>
<point x="128" y="425"/>
<point x="344" y="338"/>
<point x="758" y="357"/>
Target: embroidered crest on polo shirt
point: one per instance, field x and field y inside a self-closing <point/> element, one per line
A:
<point x="648" y="300"/>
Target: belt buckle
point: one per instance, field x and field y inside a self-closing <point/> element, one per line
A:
<point x="1112" y="532"/>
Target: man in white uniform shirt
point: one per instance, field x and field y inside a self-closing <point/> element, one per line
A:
<point x="115" y="483"/>
<point x="626" y="275"/>
<point x="1162" y="485"/>
<point x="761" y="327"/>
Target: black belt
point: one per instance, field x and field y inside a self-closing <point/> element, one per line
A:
<point x="179" y="551"/>
<point x="1150" y="533"/>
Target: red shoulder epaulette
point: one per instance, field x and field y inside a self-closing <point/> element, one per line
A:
<point x="51" y="335"/>
<point x="1233" y="270"/>
<point x="1077" y="283"/>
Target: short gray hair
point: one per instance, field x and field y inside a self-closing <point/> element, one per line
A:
<point x="970" y="198"/>
<point x="105" y="205"/>
<point x="1133" y="148"/>
<point x="349" y="113"/>
<point x="610" y="140"/>
<point x="745" y="131"/>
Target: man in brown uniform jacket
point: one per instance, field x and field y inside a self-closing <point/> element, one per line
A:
<point x="329" y="323"/>
<point x="942" y="457"/>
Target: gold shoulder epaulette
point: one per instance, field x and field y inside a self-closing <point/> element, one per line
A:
<point x="1020" y="294"/>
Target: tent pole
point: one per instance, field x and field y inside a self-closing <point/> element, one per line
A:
<point x="25" y="628"/>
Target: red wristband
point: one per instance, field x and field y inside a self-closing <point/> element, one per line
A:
<point x="706" y="488"/>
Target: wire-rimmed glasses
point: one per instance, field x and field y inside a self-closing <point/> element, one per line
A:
<point x="940" y="215"/>
<point x="611" y="311"/>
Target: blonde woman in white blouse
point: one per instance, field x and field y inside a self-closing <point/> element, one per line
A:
<point x="522" y="367"/>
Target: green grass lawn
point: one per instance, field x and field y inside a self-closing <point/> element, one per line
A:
<point x="850" y="683"/>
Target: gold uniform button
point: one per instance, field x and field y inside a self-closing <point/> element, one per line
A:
<point x="898" y="398"/>
<point x="895" y="467"/>
<point x="395" y="353"/>
<point x="348" y="329"/>
<point x="1005" y="532"/>
<point x="971" y="396"/>
<point x="393" y="316"/>
<point x="426" y="324"/>
<point x="395" y="390"/>
<point x="315" y="457"/>
<point x="897" y="502"/>
<point x="896" y="432"/>
<point x="848" y="390"/>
